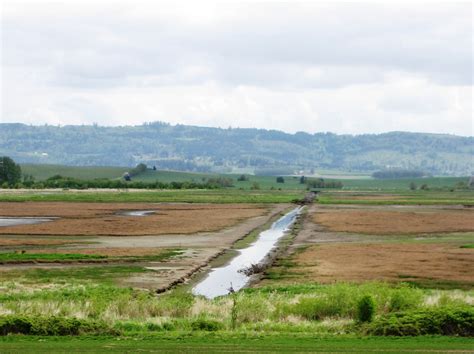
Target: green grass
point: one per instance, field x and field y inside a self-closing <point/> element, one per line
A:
<point x="471" y="245"/>
<point x="293" y="182"/>
<point x="230" y="343"/>
<point x="155" y="196"/>
<point x="98" y="275"/>
<point x="47" y="257"/>
<point x="430" y="197"/>
<point x="16" y="257"/>
<point x="42" y="172"/>
<point x="401" y="183"/>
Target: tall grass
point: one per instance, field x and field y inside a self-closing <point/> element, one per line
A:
<point x="294" y="308"/>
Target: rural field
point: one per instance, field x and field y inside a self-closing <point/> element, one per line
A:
<point x="103" y="269"/>
<point x="236" y="177"/>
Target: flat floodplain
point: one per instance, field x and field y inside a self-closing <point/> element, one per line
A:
<point x="430" y="246"/>
<point x="411" y="259"/>
<point x="381" y="221"/>
<point x="110" y="218"/>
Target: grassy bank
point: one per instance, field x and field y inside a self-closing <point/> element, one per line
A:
<point x="92" y="293"/>
<point x="154" y="196"/>
<point x="58" y="257"/>
<point x="419" y="197"/>
<point x="230" y="343"/>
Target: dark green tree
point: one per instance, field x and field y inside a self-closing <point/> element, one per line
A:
<point x="280" y="180"/>
<point x="366" y="309"/>
<point x="10" y="172"/>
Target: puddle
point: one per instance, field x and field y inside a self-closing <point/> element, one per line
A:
<point x="7" y="221"/>
<point x="138" y="213"/>
<point x="220" y="279"/>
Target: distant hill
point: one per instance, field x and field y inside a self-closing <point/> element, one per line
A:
<point x="190" y="148"/>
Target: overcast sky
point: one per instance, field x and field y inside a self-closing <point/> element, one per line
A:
<point x="346" y="68"/>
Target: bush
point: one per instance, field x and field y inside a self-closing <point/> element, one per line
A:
<point x="437" y="321"/>
<point x="333" y="304"/>
<point x="206" y="325"/>
<point x="242" y="178"/>
<point x="51" y="326"/>
<point x="404" y="299"/>
<point x="280" y="179"/>
<point x="366" y="309"/>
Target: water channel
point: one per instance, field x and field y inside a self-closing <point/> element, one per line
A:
<point x="220" y="279"/>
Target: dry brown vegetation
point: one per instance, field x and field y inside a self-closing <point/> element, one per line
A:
<point x="385" y="261"/>
<point x="387" y="222"/>
<point x="102" y="218"/>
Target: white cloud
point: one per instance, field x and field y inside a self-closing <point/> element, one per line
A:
<point x="347" y="68"/>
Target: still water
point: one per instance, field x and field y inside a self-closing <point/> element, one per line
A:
<point x="220" y="279"/>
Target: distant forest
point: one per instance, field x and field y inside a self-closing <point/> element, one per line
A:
<point x="190" y="148"/>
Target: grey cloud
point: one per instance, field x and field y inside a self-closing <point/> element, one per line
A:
<point x="269" y="46"/>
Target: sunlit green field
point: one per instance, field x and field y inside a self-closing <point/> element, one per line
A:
<point x="157" y="196"/>
<point x="233" y="343"/>
<point x="41" y="172"/>
<point x="419" y="197"/>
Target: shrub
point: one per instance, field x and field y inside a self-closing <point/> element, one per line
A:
<point x="51" y="326"/>
<point x="405" y="298"/>
<point x="328" y="305"/>
<point x="242" y="178"/>
<point x="436" y="321"/>
<point x="366" y="309"/>
<point x="205" y="325"/>
<point x="153" y="326"/>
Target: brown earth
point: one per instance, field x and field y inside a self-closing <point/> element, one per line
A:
<point x="102" y="218"/>
<point x="389" y="222"/>
<point x="327" y="263"/>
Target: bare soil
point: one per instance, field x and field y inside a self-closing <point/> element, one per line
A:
<point x="106" y="218"/>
